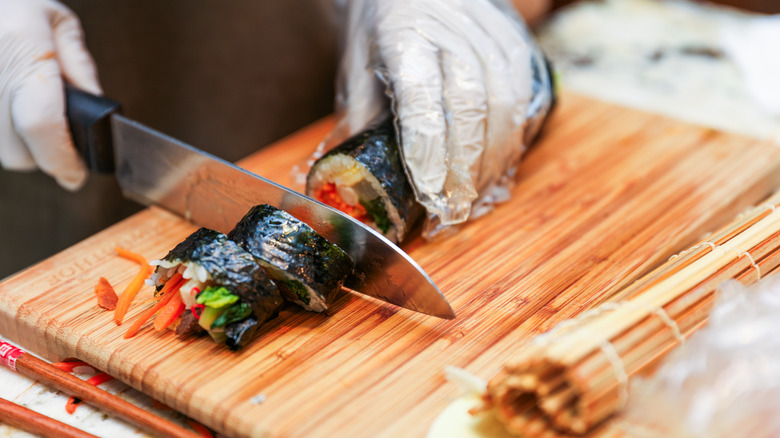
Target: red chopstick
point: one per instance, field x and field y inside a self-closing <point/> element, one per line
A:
<point x="33" y="422"/>
<point x="20" y="361"/>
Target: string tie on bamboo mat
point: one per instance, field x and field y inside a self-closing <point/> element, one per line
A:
<point x="661" y="313"/>
<point x="620" y="370"/>
<point x="694" y="248"/>
<point x="663" y="316"/>
<point x="548" y="337"/>
<point x="708" y="243"/>
<point x="752" y="262"/>
<point x="681" y="253"/>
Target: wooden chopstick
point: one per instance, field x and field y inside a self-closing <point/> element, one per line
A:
<point x="33" y="422"/>
<point x="30" y="366"/>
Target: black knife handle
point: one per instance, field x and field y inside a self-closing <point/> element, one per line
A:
<point x="89" y="118"/>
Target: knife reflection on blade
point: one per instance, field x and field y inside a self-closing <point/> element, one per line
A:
<point x="155" y="169"/>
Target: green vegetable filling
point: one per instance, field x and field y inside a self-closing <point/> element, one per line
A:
<point x="208" y="316"/>
<point x="236" y="312"/>
<point x="216" y="297"/>
<point x="298" y="289"/>
<point x="376" y="208"/>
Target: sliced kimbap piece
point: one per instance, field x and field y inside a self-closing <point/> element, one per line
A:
<point x="364" y="177"/>
<point x="221" y="285"/>
<point x="308" y="269"/>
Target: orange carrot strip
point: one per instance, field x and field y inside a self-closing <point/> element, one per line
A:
<point x="135" y="284"/>
<point x="97" y="379"/>
<point x="169" y="294"/>
<point x="106" y="297"/>
<point x="138" y="258"/>
<point x="199" y="428"/>
<point x="169" y="284"/>
<point x="169" y="313"/>
<point x="69" y="366"/>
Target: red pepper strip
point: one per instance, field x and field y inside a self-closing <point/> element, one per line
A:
<point x="68" y="367"/>
<point x="159" y="406"/>
<point x="328" y="194"/>
<point x="72" y="404"/>
<point x="200" y="429"/>
<point x="97" y="379"/>
<point x="197" y="310"/>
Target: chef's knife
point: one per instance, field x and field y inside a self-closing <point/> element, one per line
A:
<point x="155" y="169"/>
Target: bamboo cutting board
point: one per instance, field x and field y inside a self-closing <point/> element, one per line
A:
<point x="605" y="195"/>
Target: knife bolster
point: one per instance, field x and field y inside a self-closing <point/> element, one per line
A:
<point x="89" y="119"/>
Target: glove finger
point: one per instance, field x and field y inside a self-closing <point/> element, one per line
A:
<point x="486" y="69"/>
<point x="465" y="105"/>
<point x="501" y="130"/>
<point x="38" y="114"/>
<point x="360" y="97"/>
<point x="13" y="152"/>
<point x="76" y="63"/>
<point x="414" y="72"/>
<point x="25" y="39"/>
<point x="508" y="35"/>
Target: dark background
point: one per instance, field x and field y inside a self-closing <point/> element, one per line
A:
<point x="228" y="77"/>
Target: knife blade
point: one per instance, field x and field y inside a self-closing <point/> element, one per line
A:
<point x="155" y="169"/>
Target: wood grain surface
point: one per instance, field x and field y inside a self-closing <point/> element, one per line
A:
<point x="607" y="194"/>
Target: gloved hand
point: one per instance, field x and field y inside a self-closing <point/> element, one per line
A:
<point x="40" y="42"/>
<point x="461" y="77"/>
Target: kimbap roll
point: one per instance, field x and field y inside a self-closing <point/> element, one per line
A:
<point x="221" y="285"/>
<point x="308" y="269"/>
<point x="364" y="177"/>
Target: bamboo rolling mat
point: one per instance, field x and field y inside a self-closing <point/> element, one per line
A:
<point x="574" y="376"/>
<point x="606" y="195"/>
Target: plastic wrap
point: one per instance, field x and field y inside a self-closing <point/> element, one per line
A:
<point x="467" y="85"/>
<point x="723" y="382"/>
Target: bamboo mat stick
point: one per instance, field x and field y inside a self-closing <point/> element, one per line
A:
<point x="657" y="344"/>
<point x="576" y="375"/>
<point x="683" y="259"/>
<point x="30" y="366"/>
<point x="693" y="317"/>
<point x="33" y="422"/>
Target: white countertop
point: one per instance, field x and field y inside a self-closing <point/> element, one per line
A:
<point x="665" y="57"/>
<point x="43" y="399"/>
<point x="661" y="56"/>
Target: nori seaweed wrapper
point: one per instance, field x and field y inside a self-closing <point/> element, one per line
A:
<point x="241" y="332"/>
<point x="377" y="149"/>
<point x="277" y="238"/>
<point x="231" y="266"/>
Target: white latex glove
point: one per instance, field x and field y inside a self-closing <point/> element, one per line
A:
<point x="459" y="73"/>
<point x="41" y="41"/>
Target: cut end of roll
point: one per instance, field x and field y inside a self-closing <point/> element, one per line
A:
<point x="531" y="399"/>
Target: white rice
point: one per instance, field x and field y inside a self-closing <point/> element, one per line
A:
<point x="195" y="273"/>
